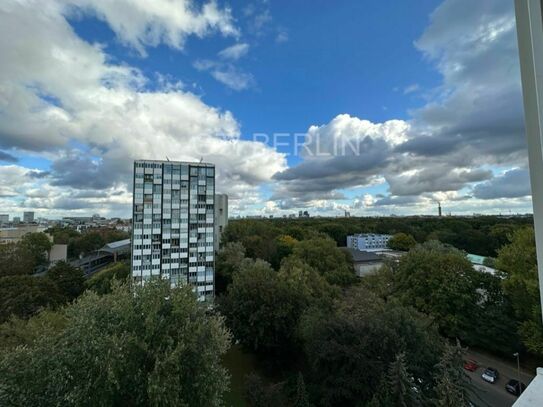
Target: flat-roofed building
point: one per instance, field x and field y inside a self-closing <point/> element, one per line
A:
<point x="173" y="224"/>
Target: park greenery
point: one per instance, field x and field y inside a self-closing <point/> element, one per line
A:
<point x="288" y="296"/>
<point x="150" y="345"/>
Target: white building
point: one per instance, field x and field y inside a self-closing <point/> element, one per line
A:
<point x="173" y="223"/>
<point x="221" y="217"/>
<point x="368" y="242"/>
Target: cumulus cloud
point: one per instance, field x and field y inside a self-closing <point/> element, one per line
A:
<point x="347" y="152"/>
<point x="472" y="122"/>
<point x="141" y="23"/>
<point x="79" y="98"/>
<point x="511" y="184"/>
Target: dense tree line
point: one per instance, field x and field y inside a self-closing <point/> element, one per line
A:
<point x="483" y="235"/>
<point x="382" y="340"/>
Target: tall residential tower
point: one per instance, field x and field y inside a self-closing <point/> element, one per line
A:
<point x="173" y="223"/>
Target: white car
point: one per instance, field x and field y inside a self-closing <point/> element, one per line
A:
<point x="490" y="375"/>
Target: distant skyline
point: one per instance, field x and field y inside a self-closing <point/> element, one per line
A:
<point x="428" y="91"/>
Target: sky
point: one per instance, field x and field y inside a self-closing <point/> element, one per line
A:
<point x="328" y="107"/>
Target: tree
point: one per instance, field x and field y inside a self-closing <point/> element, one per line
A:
<point x="324" y="256"/>
<point x="23" y="332"/>
<point x="261" y="309"/>
<point x="453" y="385"/>
<point x="151" y="345"/>
<point x="398" y="387"/>
<point x="284" y="244"/>
<point x="69" y="280"/>
<point x="439" y="281"/>
<point x="518" y="262"/>
<point x="36" y="245"/>
<point x="301" y="399"/>
<point x="102" y="282"/>
<point x="402" y="241"/>
<point x="24" y="296"/>
<point x="14" y="260"/>
<point x="228" y="261"/>
<point x="350" y="349"/>
<point x="260" y="394"/>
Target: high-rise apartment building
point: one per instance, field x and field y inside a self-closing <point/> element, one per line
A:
<point x="173" y="224"/>
<point x="221" y="217"/>
<point x="28" y="217"/>
<point x="4" y="219"/>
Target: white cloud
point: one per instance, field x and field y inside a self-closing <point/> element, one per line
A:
<point x="411" y="88"/>
<point x="234" y="52"/>
<point x="142" y="23"/>
<point x="233" y="78"/>
<point x="226" y="73"/>
<point x="58" y="90"/>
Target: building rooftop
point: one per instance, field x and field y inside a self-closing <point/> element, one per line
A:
<point x="361" y="256"/>
<point x="204" y="164"/>
<point x="476" y="259"/>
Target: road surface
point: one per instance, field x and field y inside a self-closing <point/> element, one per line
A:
<point x="495" y="395"/>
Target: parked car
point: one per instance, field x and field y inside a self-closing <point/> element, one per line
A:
<point x="470" y="365"/>
<point x="515" y="387"/>
<point x="490" y="375"/>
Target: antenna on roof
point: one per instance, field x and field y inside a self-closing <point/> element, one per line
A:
<point x="201" y="160"/>
<point x="167" y="158"/>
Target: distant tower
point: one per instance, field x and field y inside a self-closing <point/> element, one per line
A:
<point x="439" y="208"/>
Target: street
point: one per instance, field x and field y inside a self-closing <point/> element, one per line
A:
<point x="495" y="395"/>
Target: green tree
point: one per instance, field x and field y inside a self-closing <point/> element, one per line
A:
<point x="350" y="349"/>
<point x="102" y="281"/>
<point x="402" y="241"/>
<point x="229" y="259"/>
<point x="324" y="256"/>
<point x="36" y="245"/>
<point x="151" y="345"/>
<point x="261" y="309"/>
<point x="15" y="260"/>
<point x="441" y="282"/>
<point x="518" y="262"/>
<point x="284" y="244"/>
<point x="24" y="296"/>
<point x="23" y="332"/>
<point x="398" y="387"/>
<point x="453" y="385"/>
<point x="69" y="280"/>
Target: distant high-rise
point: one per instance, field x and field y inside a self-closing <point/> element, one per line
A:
<point x="173" y="224"/>
<point x="28" y="217"/>
<point x="221" y="217"/>
<point x="439" y="209"/>
<point x="4" y="218"/>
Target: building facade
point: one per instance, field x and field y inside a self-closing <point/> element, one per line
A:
<point x="221" y="217"/>
<point x="28" y="217"/>
<point x="368" y="241"/>
<point x="173" y="224"/>
<point x="4" y="219"/>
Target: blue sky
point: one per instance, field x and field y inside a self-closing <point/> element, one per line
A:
<point x="92" y="85"/>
